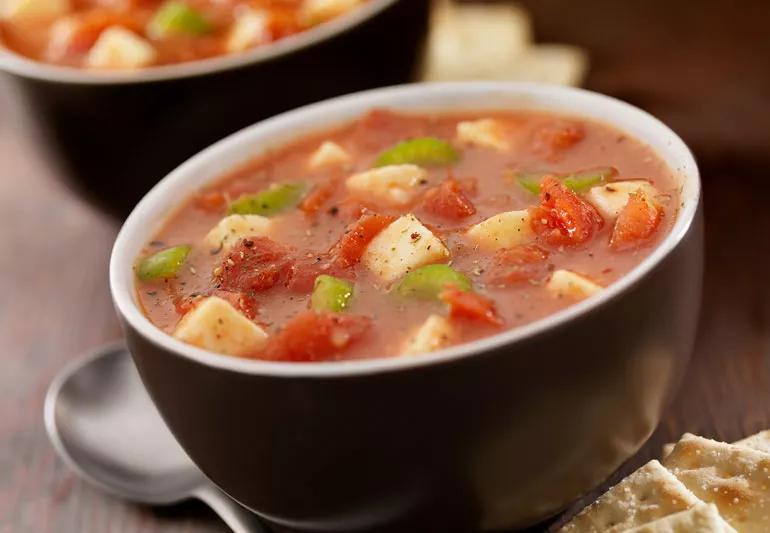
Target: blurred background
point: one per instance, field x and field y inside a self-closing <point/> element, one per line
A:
<point x="701" y="67"/>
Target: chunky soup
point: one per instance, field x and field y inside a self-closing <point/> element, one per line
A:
<point x="130" y="34"/>
<point x="399" y="235"/>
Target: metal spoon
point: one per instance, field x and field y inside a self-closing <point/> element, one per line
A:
<point x="104" y="425"/>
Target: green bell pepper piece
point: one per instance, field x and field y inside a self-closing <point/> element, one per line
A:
<point x="427" y="282"/>
<point x="331" y="294"/>
<point x="425" y="151"/>
<point x="584" y="180"/>
<point x="268" y="202"/>
<point x="577" y="181"/>
<point x="531" y="182"/>
<point x="178" y="18"/>
<point x="164" y="264"/>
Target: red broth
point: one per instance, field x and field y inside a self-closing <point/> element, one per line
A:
<point x="509" y="285"/>
<point x="154" y="32"/>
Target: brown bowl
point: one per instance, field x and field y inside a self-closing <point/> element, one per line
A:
<point x="498" y="433"/>
<point x="115" y="134"/>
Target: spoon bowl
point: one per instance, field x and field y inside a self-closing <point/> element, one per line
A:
<point x="104" y="426"/>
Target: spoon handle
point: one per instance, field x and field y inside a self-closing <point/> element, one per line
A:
<point x="238" y="518"/>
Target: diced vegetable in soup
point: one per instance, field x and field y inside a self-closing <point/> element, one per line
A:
<point x="129" y="34"/>
<point x="399" y="235"/>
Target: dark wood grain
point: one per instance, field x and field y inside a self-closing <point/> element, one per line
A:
<point x="700" y="66"/>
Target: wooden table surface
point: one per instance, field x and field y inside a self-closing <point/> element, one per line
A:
<point x="703" y="70"/>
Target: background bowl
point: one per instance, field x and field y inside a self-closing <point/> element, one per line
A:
<point x="114" y="135"/>
<point x="499" y="433"/>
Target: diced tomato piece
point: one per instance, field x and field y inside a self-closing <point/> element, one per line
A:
<point x="185" y="304"/>
<point x="312" y="336"/>
<point x="523" y="263"/>
<point x="637" y="221"/>
<point x="284" y="21"/>
<point x="470" y="186"/>
<point x="357" y="237"/>
<point x="449" y="200"/>
<point x="470" y="305"/>
<point x="555" y="137"/>
<point x="563" y="218"/>
<point x="243" y="302"/>
<point x="318" y="197"/>
<point x="212" y="201"/>
<point x="254" y="264"/>
<point x="305" y="270"/>
<point x="182" y="303"/>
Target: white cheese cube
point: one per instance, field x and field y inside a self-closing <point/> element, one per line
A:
<point x="217" y="326"/>
<point x="396" y="185"/>
<point x="119" y="48"/>
<point x="502" y="231"/>
<point x="565" y="283"/>
<point x="403" y="246"/>
<point x="251" y="27"/>
<point x="317" y="11"/>
<point x="486" y="133"/>
<point x="610" y="199"/>
<point x="435" y="333"/>
<point x="28" y="9"/>
<point x="328" y="154"/>
<point x="232" y="228"/>
<point x="61" y="36"/>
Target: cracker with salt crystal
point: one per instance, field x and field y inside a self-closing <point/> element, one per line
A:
<point x="471" y="41"/>
<point x="734" y="478"/>
<point x="703" y="518"/>
<point x="648" y="494"/>
<point x="759" y="441"/>
<point x="474" y="41"/>
<point x="667" y="449"/>
<point x="549" y="63"/>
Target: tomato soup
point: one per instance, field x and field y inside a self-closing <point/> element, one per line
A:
<point x="398" y="235"/>
<point x="130" y="34"/>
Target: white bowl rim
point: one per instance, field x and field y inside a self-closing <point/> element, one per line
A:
<point x="20" y="65"/>
<point x="122" y="280"/>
